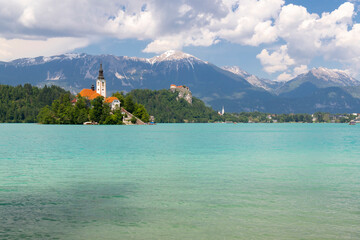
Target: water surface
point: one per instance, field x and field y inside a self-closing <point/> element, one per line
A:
<point x="180" y="181"/>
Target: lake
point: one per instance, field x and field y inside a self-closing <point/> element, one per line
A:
<point x="180" y="181"/>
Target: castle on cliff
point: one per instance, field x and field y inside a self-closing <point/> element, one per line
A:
<point x="184" y="92"/>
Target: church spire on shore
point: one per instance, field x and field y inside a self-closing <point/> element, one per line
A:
<point x="101" y="83"/>
<point x="101" y="72"/>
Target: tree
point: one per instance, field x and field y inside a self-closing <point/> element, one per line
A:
<point x="319" y="117"/>
<point x="141" y="113"/>
<point x="97" y="109"/>
<point x="81" y="112"/>
<point x="82" y="116"/>
<point x="46" y="116"/>
<point x="165" y="106"/>
<point x="62" y="111"/>
<point x="105" y="112"/>
<point x="133" y="120"/>
<point x="120" y="96"/>
<point x="129" y="104"/>
<point x="119" y="116"/>
<point x="23" y="103"/>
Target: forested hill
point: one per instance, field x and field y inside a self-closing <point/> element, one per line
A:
<point x="23" y="103"/>
<point x="165" y="107"/>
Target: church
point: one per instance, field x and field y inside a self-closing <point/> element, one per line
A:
<point x="100" y="91"/>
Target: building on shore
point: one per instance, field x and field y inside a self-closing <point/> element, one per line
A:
<point x="222" y="112"/>
<point x="101" y="83"/>
<point x="114" y="102"/>
<point x="91" y="94"/>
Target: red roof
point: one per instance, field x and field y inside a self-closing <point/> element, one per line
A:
<point x="90" y="94"/>
<point x="111" y="99"/>
<point x="173" y="85"/>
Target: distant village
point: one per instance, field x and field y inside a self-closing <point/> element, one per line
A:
<point x="325" y="117"/>
<point x="319" y="117"/>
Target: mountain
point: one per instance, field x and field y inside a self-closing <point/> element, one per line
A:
<point x="266" y="84"/>
<point x="73" y="72"/>
<point x="321" y="78"/>
<point x="322" y="89"/>
<point x="331" y="99"/>
<point x="232" y="88"/>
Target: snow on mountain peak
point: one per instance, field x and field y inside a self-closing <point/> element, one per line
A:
<point x="71" y="56"/>
<point x="339" y="77"/>
<point x="45" y="59"/>
<point x="236" y="70"/>
<point x="252" y="79"/>
<point x="328" y="74"/>
<point x="66" y="56"/>
<point x="172" y="55"/>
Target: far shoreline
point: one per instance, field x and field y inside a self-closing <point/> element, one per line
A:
<point x="195" y="123"/>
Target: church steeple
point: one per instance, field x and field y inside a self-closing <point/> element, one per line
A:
<point x="101" y="72"/>
<point x="101" y="83"/>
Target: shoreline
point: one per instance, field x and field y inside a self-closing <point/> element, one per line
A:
<point x="347" y="123"/>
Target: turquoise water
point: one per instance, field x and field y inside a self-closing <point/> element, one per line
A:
<point x="180" y="181"/>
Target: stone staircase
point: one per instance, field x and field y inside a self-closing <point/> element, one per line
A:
<point x="127" y="120"/>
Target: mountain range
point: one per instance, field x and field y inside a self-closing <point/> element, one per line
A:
<point x="320" y="89"/>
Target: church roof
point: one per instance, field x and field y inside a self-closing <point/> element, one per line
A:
<point x="90" y="94"/>
<point x="111" y="99"/>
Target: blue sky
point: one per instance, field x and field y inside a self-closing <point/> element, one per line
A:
<point x="275" y="39"/>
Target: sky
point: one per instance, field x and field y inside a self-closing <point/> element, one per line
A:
<point x="273" y="39"/>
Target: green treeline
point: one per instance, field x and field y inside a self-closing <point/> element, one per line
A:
<point x="63" y="111"/>
<point x="21" y="104"/>
<point x="259" y="117"/>
<point x="53" y="105"/>
<point x="164" y="106"/>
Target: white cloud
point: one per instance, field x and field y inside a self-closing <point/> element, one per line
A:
<point x="308" y="34"/>
<point x="19" y="48"/>
<point x="291" y="73"/>
<point x="184" y="23"/>
<point x="276" y="61"/>
<point x="284" y="77"/>
<point x="250" y="23"/>
<point x="161" y="45"/>
<point x="124" y="25"/>
<point x="332" y="36"/>
<point x="264" y="32"/>
<point x="184" y="9"/>
<point x="300" y="70"/>
<point x="27" y="18"/>
<point x="176" y="24"/>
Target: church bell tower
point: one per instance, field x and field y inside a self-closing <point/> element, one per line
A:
<point x="101" y="83"/>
